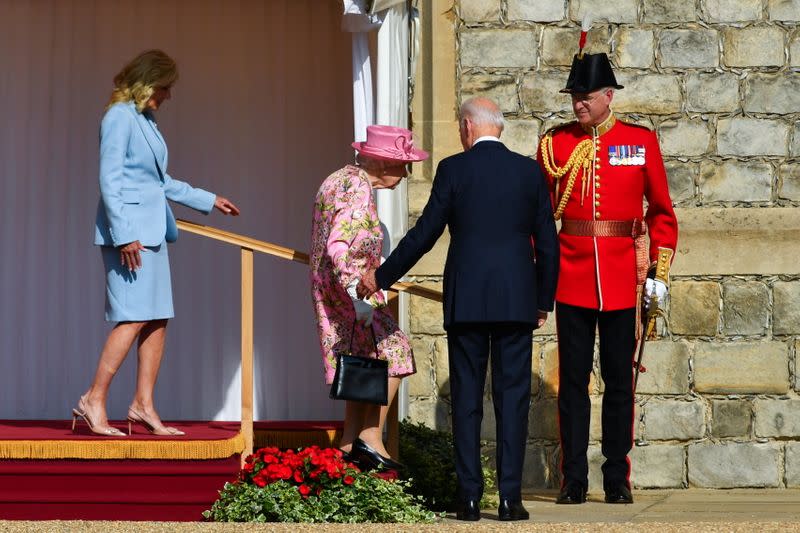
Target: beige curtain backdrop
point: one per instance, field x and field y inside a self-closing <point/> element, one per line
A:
<point x="262" y="113"/>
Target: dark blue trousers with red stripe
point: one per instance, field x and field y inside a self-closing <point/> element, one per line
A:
<point x="576" y="328"/>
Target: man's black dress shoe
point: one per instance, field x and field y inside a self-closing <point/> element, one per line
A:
<point x="469" y="510"/>
<point x="370" y="459"/>
<point x="572" y="493"/>
<point x="509" y="510"/>
<point x="619" y="494"/>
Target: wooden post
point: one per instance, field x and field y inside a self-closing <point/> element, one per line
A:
<point x="247" y="351"/>
<point x="392" y="423"/>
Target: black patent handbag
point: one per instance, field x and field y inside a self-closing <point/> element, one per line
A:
<point x="360" y="379"/>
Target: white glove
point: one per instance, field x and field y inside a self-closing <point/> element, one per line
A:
<point x="363" y="308"/>
<point x="657" y="287"/>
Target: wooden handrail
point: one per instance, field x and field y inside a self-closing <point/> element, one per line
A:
<point x="247" y="246"/>
<point x="289" y="254"/>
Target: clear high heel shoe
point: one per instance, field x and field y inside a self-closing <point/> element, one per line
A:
<point x="80" y="412"/>
<point x="135" y="417"/>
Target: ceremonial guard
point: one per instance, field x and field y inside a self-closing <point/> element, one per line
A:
<point x="600" y="170"/>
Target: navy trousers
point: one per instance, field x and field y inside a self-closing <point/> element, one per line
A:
<point x="469" y="347"/>
<point x="576" y="333"/>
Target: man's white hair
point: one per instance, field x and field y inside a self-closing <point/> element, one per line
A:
<point x="480" y="115"/>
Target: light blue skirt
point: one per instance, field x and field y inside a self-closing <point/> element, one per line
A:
<point x="142" y="295"/>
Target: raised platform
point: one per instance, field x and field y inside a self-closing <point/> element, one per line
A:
<point x="48" y="472"/>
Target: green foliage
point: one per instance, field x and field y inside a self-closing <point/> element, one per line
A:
<point x="368" y="499"/>
<point x="313" y="485"/>
<point x="429" y="459"/>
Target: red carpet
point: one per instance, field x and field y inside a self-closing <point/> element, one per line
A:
<point x="49" y="473"/>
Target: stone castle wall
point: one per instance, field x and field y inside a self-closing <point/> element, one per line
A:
<point x="719" y="81"/>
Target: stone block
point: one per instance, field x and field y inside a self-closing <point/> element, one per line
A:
<point x="634" y="48"/>
<point x="784" y="10"/>
<point x="441" y="367"/>
<point x="543" y="419"/>
<point x="737" y="241"/>
<point x="433" y="413"/>
<point x="539" y="93"/>
<point x="741" y="368"/>
<point x="550" y="369"/>
<point x="744" y="136"/>
<point x="535" y="10"/>
<point x="502" y="88"/>
<point x="735" y="181"/>
<point x="772" y="93"/>
<point x="753" y="46"/>
<point x="732" y="10"/>
<point x="797" y="365"/>
<point x="480" y="10"/>
<point x="790" y="182"/>
<point x="667" y="364"/>
<point x="498" y="48"/>
<point x="432" y="263"/>
<point x="596" y="419"/>
<point x="418" y="194"/>
<point x="745" y="308"/>
<point x="536" y="469"/>
<point x="785" y="308"/>
<point x="681" y="179"/>
<point x="731" y="465"/>
<point x="697" y="48"/>
<point x="674" y="419"/>
<point x="794" y="51"/>
<point x="559" y="45"/>
<point x="595" y="457"/>
<point x="656" y="94"/>
<point x="658" y="466"/>
<point x="684" y="137"/>
<point x="522" y="136"/>
<point x="422" y="383"/>
<point x="792" y="467"/>
<point x="426" y="316"/>
<point x="694" y="307"/>
<point x="712" y="92"/>
<point x="623" y="11"/>
<point x="777" y="418"/>
<point x="661" y="11"/>
<point x="795" y="149"/>
<point x="730" y="418"/>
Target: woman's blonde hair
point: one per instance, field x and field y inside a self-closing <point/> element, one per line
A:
<point x="138" y="80"/>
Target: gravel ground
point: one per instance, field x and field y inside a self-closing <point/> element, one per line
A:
<point x="447" y="525"/>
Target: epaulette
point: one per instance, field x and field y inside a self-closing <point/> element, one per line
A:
<point x="562" y="126"/>
<point x="635" y="125"/>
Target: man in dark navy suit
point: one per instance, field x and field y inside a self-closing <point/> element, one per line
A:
<point x="499" y="285"/>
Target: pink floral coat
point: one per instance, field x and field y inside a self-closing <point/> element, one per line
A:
<point x="346" y="241"/>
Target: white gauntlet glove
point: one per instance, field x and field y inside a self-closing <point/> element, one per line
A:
<point x="657" y="287"/>
<point x="363" y="308"/>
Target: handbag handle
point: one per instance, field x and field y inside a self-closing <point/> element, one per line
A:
<point x="353" y="334"/>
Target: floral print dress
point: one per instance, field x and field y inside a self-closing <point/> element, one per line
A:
<point x="346" y="241"/>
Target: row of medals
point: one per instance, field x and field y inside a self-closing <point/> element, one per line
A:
<point x="625" y="155"/>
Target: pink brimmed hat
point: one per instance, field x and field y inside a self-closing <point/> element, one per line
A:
<point x="390" y="143"/>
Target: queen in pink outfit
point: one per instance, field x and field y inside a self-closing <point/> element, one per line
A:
<point x="346" y="241"/>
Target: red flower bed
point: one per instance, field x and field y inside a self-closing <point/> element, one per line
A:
<point x="311" y="470"/>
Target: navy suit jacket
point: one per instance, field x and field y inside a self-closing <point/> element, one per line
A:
<point x="495" y="203"/>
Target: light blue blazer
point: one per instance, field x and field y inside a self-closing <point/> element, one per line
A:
<point x="134" y="184"/>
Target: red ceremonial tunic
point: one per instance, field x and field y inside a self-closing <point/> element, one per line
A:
<point x="600" y="272"/>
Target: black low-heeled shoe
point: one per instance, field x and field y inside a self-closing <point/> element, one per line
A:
<point x="370" y="458"/>
<point x="346" y="456"/>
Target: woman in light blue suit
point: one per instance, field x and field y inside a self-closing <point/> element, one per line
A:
<point x="133" y="226"/>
